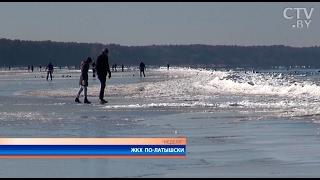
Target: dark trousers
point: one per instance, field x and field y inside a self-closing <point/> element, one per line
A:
<point x="49" y="72"/>
<point x="142" y="71"/>
<point x="103" y="86"/>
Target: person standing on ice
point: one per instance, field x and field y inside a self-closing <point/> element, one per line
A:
<point x="103" y="69"/>
<point x="93" y="69"/>
<point x="142" y="69"/>
<point x="83" y="82"/>
<point x="50" y="70"/>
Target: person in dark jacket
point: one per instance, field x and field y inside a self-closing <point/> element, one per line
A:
<point x="83" y="82"/>
<point x="142" y="69"/>
<point x="103" y="69"/>
<point x="50" y="70"/>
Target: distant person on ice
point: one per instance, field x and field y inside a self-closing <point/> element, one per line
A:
<point x="83" y="82"/>
<point x="50" y="70"/>
<point x="103" y="69"/>
<point x="122" y="67"/>
<point x="93" y="69"/>
<point x="142" y="69"/>
<point x="168" y="66"/>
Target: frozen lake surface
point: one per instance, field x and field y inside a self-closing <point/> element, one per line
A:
<point x="238" y="123"/>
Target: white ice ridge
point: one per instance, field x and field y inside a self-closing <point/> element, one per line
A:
<point x="185" y="83"/>
<point x="231" y="82"/>
<point x="187" y="87"/>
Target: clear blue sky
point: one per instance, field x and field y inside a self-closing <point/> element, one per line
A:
<point x="157" y="23"/>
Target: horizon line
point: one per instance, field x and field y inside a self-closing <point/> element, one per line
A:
<point x="169" y="44"/>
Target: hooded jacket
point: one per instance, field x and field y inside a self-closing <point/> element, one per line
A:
<point x="84" y="73"/>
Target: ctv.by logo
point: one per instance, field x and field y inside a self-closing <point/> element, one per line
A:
<point x="300" y="16"/>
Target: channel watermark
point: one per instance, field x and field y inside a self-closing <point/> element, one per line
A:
<point x="300" y="17"/>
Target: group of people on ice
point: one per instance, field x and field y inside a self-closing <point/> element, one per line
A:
<point x="102" y="69"/>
